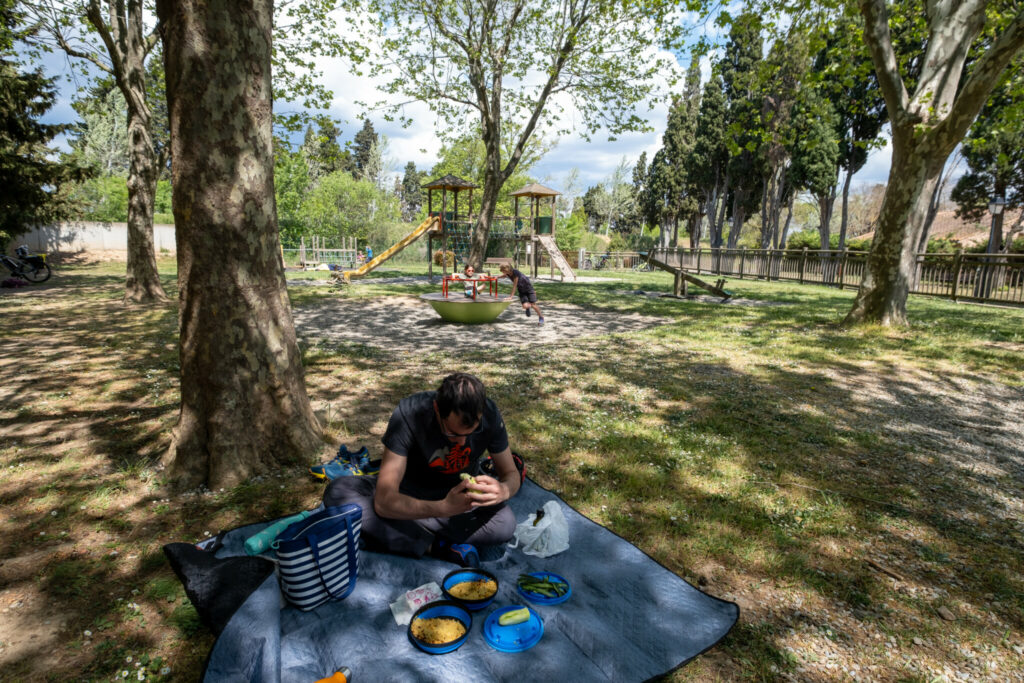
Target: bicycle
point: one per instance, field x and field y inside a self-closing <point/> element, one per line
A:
<point x="32" y="267"/>
<point x="642" y="267"/>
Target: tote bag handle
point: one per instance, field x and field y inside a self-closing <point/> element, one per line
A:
<point x="314" y="545"/>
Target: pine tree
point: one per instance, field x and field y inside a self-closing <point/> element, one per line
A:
<point x="362" y="149"/>
<point x="412" y="193"/>
<point x="29" y="179"/>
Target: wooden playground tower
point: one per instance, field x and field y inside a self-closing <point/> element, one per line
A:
<point x="541" y="232"/>
<point x="445" y="218"/>
<point x="539" y="229"/>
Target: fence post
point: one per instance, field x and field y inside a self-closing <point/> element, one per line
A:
<point x="803" y="262"/>
<point x="743" y="258"/>
<point x="958" y="258"/>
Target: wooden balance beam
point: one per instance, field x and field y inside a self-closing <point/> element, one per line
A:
<point x="682" y="277"/>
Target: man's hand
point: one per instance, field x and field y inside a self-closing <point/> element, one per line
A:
<point x="459" y="499"/>
<point x="486" y="491"/>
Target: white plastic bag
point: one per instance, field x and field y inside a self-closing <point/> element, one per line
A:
<point x="546" y="537"/>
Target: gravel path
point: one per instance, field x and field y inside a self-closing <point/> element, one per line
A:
<point x="410" y="323"/>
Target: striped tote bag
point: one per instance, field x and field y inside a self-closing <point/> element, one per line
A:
<point x="318" y="557"/>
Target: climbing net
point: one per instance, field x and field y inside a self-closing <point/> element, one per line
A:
<point x="460" y="238"/>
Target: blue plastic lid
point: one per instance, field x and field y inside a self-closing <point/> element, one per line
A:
<point x="543" y="599"/>
<point x="514" y="637"/>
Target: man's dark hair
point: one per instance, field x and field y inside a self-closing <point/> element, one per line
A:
<point x="463" y="394"/>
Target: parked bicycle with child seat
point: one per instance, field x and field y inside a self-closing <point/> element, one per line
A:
<point x="23" y="264"/>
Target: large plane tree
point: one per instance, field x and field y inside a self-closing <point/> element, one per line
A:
<point x="521" y="64"/>
<point x="244" y="407"/>
<point x="968" y="47"/>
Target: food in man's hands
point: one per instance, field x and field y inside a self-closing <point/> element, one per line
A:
<point x="438" y="630"/>
<point x="516" y="616"/>
<point x="471" y="480"/>
<point x="474" y="590"/>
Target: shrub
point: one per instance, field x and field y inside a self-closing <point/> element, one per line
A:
<point x="447" y="256"/>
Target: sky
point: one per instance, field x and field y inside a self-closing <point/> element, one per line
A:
<point x="595" y="159"/>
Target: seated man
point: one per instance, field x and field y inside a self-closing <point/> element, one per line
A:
<point x="419" y="503"/>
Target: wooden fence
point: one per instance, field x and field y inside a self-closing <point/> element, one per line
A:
<point x="993" y="278"/>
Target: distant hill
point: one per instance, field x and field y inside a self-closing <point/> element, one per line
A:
<point x="967" y="233"/>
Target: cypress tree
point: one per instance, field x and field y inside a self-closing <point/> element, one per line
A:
<point x="739" y="74"/>
<point x="708" y="158"/>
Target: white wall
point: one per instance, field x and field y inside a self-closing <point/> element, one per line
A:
<point x="90" y="236"/>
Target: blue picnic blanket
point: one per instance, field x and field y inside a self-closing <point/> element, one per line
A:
<point x="628" y="619"/>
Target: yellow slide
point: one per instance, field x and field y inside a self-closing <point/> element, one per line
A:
<point x="423" y="228"/>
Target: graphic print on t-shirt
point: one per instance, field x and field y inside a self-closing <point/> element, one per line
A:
<point x="455" y="460"/>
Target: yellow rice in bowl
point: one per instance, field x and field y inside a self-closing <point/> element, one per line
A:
<point x="474" y="590"/>
<point x="438" y="630"/>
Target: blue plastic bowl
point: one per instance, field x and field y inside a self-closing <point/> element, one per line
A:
<point x="441" y="608"/>
<point x="543" y="599"/>
<point x="469" y="574"/>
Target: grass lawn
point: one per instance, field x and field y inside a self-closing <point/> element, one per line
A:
<point x="858" y="493"/>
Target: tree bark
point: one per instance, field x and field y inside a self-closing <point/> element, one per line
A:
<point x="890" y="267"/>
<point x="738" y="218"/>
<point x="926" y="126"/>
<point x="845" y="220"/>
<point x="244" y="408"/>
<point x="142" y="282"/>
<point x="127" y="46"/>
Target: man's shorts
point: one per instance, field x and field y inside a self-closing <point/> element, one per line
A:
<point x="531" y="297"/>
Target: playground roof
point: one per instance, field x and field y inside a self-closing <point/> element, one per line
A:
<point x="536" y="190"/>
<point x="449" y="182"/>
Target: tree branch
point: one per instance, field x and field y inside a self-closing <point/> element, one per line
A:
<point x="879" y="40"/>
<point x="95" y="18"/>
<point x="556" y="69"/>
<point x="984" y="77"/>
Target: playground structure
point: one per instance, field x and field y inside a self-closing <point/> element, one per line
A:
<point x="452" y="229"/>
<point x="541" y="231"/>
<point x="319" y="255"/>
<point x="682" y="278"/>
<point x="430" y="223"/>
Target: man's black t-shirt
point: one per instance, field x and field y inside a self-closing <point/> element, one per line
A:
<point x="433" y="462"/>
<point x="523" y="286"/>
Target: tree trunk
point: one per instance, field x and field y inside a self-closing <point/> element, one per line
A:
<point x="738" y="217"/>
<point x="142" y="283"/>
<point x="891" y="264"/>
<point x="789" y="218"/>
<point x="494" y="178"/>
<point x="723" y="207"/>
<point x="244" y="408"/>
<point x="845" y="221"/>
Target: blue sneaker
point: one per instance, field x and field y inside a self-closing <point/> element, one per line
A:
<point x="357" y="458"/>
<point x="347" y="464"/>
<point x="462" y="554"/>
<point x="333" y="469"/>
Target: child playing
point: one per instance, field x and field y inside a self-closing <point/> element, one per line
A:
<point x="468" y="274"/>
<point x="522" y="285"/>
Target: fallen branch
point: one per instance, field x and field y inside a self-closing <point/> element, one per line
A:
<point x="884" y="570"/>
